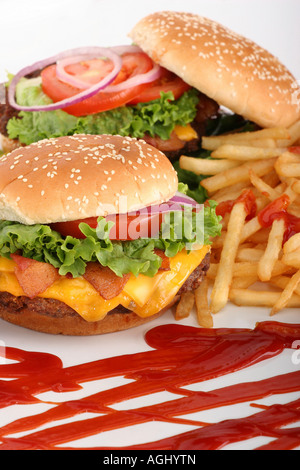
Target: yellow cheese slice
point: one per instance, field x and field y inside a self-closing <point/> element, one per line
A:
<point x="186" y="133"/>
<point x="182" y="265"/>
<point x="83" y="298"/>
<point x="7" y="265"/>
<point x="141" y="288"/>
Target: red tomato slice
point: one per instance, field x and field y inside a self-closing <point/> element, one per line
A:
<point x="133" y="64"/>
<point x="90" y="71"/>
<point x="72" y="227"/>
<point x="126" y="227"/>
<point x="168" y="82"/>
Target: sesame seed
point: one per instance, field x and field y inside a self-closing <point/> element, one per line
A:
<point x="239" y="60"/>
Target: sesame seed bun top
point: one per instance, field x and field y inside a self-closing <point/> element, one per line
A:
<point x="227" y="67"/>
<point x="80" y="176"/>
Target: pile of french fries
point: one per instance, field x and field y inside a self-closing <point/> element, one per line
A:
<point x="250" y="265"/>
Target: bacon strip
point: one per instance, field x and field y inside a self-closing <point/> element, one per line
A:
<point x="34" y="276"/>
<point x="104" y="280"/>
<point x="165" y="265"/>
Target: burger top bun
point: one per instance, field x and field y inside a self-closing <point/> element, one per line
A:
<point x="80" y="176"/>
<point x="227" y="67"/>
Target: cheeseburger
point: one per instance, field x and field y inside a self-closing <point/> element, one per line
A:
<point x="169" y="88"/>
<point x="96" y="235"/>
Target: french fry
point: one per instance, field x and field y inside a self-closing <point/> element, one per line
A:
<point x="250" y="228"/>
<point x="271" y="255"/>
<point x="253" y="298"/>
<point x="272" y="180"/>
<point x="253" y="226"/>
<point x="292" y="259"/>
<point x="265" y="143"/>
<point x="249" y="254"/>
<point x="287" y="293"/>
<point x="243" y="269"/>
<point x="292" y="244"/>
<point x="294" y="210"/>
<point x="243" y="282"/>
<point x="213" y="142"/>
<point x="239" y="270"/>
<point x="237" y="175"/>
<point x="220" y="292"/>
<point x="204" y="315"/>
<point x="263" y="187"/>
<point x="230" y="196"/>
<point x="288" y="165"/>
<point x="294" y="131"/>
<point x="225" y="194"/>
<point x="204" y="166"/>
<point x="185" y="305"/>
<point x="282" y="282"/>
<point x="288" y="170"/>
<point x="296" y="186"/>
<point x="245" y="153"/>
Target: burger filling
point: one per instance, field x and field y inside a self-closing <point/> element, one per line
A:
<point x="164" y="111"/>
<point x="93" y="270"/>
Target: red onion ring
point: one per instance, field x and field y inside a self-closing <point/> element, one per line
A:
<point x="147" y="77"/>
<point x="102" y="51"/>
<point x="68" y="78"/>
<point x="77" y="83"/>
<point x="177" y="203"/>
<point x="183" y="199"/>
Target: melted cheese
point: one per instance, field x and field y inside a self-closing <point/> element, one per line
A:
<point x="181" y="266"/>
<point x="185" y="133"/>
<point x="140" y="288"/>
<point x="150" y="295"/>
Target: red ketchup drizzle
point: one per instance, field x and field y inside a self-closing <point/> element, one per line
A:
<point x="247" y="197"/>
<point x="180" y="355"/>
<point x="277" y="209"/>
<point x="295" y="149"/>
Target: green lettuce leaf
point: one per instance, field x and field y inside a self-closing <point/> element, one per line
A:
<point x="70" y="255"/>
<point x="157" y="117"/>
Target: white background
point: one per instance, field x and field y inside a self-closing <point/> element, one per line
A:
<point x="35" y="29"/>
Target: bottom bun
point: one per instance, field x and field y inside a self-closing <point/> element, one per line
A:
<point x="55" y="317"/>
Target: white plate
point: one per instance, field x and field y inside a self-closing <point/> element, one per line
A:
<point x="80" y="350"/>
<point x="41" y="29"/>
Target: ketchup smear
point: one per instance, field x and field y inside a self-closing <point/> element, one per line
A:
<point x="247" y="197"/>
<point x="275" y="210"/>
<point x="180" y="355"/>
